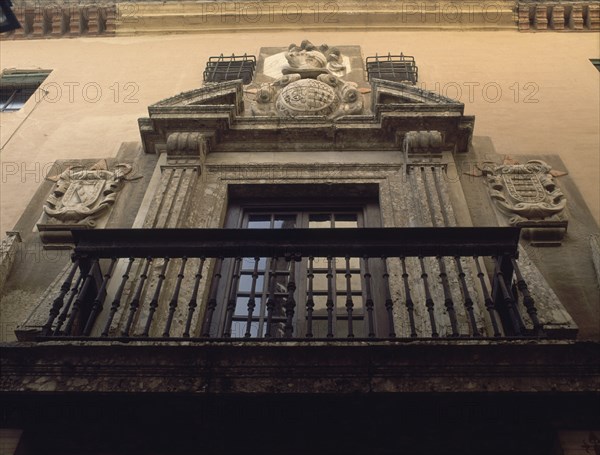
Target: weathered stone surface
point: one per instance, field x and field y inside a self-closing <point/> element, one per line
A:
<point x="595" y="247"/>
<point x="298" y="367"/>
<point x="8" y="250"/>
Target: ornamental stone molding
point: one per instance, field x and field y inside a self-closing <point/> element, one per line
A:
<point x="558" y="16"/>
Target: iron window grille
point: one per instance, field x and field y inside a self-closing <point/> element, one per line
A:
<point x="230" y="68"/>
<point x="399" y="68"/>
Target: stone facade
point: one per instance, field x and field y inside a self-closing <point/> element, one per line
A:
<point x="204" y="148"/>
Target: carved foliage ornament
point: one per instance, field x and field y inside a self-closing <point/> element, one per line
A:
<point x="525" y="192"/>
<point x="81" y="196"/>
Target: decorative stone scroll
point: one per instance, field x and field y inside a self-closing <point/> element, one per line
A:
<point x="422" y="146"/>
<point x="189" y="144"/>
<point x="311" y="85"/>
<point x="528" y="195"/>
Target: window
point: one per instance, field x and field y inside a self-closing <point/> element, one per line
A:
<point x="327" y="290"/>
<point x="17" y="86"/>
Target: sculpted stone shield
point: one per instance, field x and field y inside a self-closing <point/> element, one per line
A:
<point x="524" y="187"/>
<point x="81" y="196"/>
<point x="527" y="194"/>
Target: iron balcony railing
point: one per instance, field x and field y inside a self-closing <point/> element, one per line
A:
<point x="370" y="283"/>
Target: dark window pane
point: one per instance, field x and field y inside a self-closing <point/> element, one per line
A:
<point x="246" y="283"/>
<point x="248" y="264"/>
<point x="259" y="221"/>
<point x="241" y="306"/>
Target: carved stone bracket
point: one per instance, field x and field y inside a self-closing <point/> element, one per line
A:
<point x="527" y="195"/>
<point x="422" y="146"/>
<point x="189" y="144"/>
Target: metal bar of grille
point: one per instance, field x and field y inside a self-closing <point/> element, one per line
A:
<point x="212" y="300"/>
<point x="389" y="303"/>
<point x="235" y="279"/>
<point x="349" y="302"/>
<point x="489" y="303"/>
<point x="59" y="300"/>
<point x="428" y="299"/>
<point x="87" y="282"/>
<point x="252" y="299"/>
<point x="410" y="307"/>
<point x="135" y="302"/>
<point x="97" y="305"/>
<point x="193" y="303"/>
<point x="175" y="298"/>
<point x="117" y="300"/>
<point x="155" y="297"/>
<point x="310" y="303"/>
<point x="271" y="299"/>
<point x="290" y="303"/>
<point x="504" y="295"/>
<point x="369" y="301"/>
<point x="63" y="315"/>
<point x="467" y="296"/>
<point x="330" y="296"/>
<point x="448" y="302"/>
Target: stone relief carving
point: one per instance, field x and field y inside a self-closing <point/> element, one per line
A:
<point x="526" y="193"/>
<point x="81" y="196"/>
<point x="311" y="85"/>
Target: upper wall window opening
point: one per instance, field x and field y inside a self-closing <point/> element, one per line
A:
<point x="17" y="86"/>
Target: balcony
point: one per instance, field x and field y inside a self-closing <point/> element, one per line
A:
<point x="369" y="284"/>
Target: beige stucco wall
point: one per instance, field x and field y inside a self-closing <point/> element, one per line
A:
<point x="532" y="93"/>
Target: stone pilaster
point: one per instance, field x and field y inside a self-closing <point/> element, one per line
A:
<point x="186" y="154"/>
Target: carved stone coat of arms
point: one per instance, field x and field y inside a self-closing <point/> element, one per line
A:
<point x="81" y="196"/>
<point x="527" y="194"/>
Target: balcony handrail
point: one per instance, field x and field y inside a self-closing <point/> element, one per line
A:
<point x="360" y="242"/>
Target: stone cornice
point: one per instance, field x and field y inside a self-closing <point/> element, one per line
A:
<point x="405" y="108"/>
<point x="64" y="18"/>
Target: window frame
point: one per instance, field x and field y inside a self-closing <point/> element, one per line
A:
<point x="19" y="85"/>
<point x="302" y="204"/>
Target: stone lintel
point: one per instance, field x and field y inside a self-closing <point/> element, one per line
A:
<point x="300" y="367"/>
